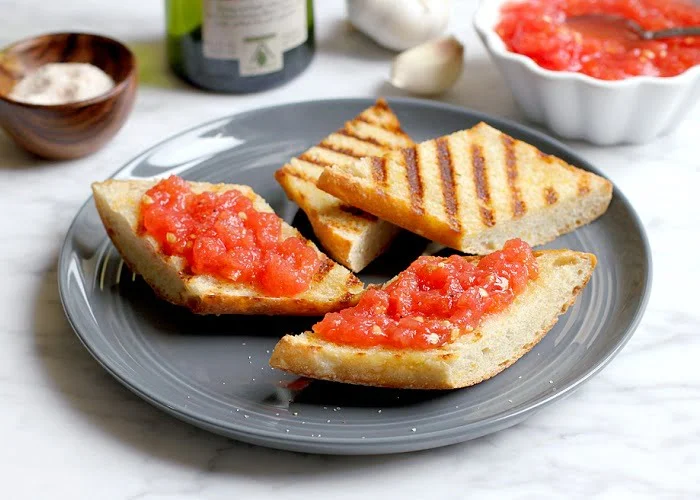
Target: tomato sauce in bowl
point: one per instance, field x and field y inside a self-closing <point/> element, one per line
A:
<point x="433" y="301"/>
<point x="548" y="32"/>
<point x="223" y="235"/>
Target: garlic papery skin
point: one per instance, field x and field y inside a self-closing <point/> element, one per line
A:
<point x="430" y="68"/>
<point x="399" y="24"/>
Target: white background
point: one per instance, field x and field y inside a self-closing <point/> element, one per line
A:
<point x="69" y="431"/>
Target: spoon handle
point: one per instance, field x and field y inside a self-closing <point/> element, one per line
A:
<point x="672" y="32"/>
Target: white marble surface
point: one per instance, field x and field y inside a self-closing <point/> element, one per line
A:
<point x="69" y="431"/>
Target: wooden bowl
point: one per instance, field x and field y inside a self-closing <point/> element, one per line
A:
<point x="66" y="131"/>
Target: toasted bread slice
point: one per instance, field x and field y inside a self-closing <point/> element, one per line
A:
<point x="333" y="288"/>
<point x="499" y="341"/>
<point x="352" y="237"/>
<point x="473" y="190"/>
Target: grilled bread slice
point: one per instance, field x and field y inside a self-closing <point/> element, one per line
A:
<point x="118" y="202"/>
<point x="473" y="190"/>
<point x="352" y="237"/>
<point x="499" y="341"/>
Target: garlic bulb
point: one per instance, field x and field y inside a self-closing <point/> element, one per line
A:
<point x="430" y="68"/>
<point x="399" y="24"/>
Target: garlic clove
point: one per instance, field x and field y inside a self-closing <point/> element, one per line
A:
<point x="430" y="68"/>
<point x="399" y="24"/>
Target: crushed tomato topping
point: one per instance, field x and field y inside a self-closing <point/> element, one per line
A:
<point x="545" y="31"/>
<point x="434" y="300"/>
<point x="223" y="235"/>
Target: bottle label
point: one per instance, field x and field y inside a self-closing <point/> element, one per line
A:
<point x="254" y="32"/>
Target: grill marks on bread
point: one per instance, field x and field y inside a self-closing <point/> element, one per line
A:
<point x="372" y="133"/>
<point x="470" y="189"/>
<point x="584" y="186"/>
<point x="351" y="133"/>
<point x="308" y="158"/>
<point x="379" y="170"/>
<point x="482" y="186"/>
<point x="550" y="195"/>
<point x="415" y="184"/>
<point x="447" y="179"/>
<point x="323" y="270"/>
<point x="330" y="146"/>
<point x="517" y="204"/>
<point x="303" y="174"/>
<point x="351" y="236"/>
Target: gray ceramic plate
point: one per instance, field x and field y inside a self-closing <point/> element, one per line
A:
<point x="213" y="371"/>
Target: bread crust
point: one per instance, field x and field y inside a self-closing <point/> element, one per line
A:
<point x="117" y="202"/>
<point x="500" y="340"/>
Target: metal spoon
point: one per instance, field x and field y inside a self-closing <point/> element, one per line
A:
<point x="637" y="29"/>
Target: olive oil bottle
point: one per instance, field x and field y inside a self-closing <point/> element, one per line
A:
<point x="239" y="45"/>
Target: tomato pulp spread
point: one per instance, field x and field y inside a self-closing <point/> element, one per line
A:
<point x="223" y="235"/>
<point x="433" y="301"/>
<point x="552" y="34"/>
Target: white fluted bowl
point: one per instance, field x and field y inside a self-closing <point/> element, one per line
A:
<point x="577" y="106"/>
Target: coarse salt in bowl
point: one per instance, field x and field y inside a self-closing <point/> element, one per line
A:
<point x="578" y="106"/>
<point x="73" y="129"/>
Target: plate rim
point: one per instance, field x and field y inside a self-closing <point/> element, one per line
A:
<point x="298" y="441"/>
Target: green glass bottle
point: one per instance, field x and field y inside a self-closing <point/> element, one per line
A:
<point x="239" y="45"/>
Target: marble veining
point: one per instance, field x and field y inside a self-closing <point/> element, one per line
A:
<point x="70" y="431"/>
